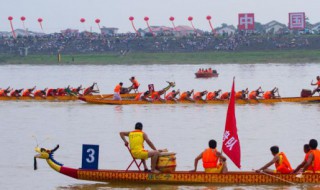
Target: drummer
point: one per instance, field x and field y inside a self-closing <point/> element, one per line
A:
<point x="213" y="161"/>
<point x="136" y="140"/>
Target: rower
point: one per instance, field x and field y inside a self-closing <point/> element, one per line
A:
<point x="306" y="150"/>
<point x="40" y="93"/>
<point x="4" y="92"/>
<point x="143" y="97"/>
<point x="318" y="86"/>
<point x="136" y="140"/>
<point x="242" y="94"/>
<point x="187" y="96"/>
<point x="77" y="90"/>
<point x="61" y="92"/>
<point x="313" y="158"/>
<point x="135" y="83"/>
<point x="90" y="90"/>
<point x="28" y="92"/>
<point x="253" y="95"/>
<point x="51" y="92"/>
<point x="213" y="95"/>
<point x="280" y="160"/>
<point x="271" y="94"/>
<point x="213" y="161"/>
<point x="225" y="96"/>
<point x="16" y="93"/>
<point x="199" y="95"/>
<point x="156" y="95"/>
<point x="117" y="89"/>
<point x="172" y="95"/>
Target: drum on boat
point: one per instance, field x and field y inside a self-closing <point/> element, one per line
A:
<point x="166" y="162"/>
<point x="306" y="93"/>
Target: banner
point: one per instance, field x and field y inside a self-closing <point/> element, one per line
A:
<point x="246" y="21"/>
<point x="297" y="21"/>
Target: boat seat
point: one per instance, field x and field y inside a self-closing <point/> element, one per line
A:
<point x="134" y="160"/>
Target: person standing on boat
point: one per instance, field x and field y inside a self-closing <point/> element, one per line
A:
<point x="210" y="160"/>
<point x="213" y="95"/>
<point x="187" y="96"/>
<point x="280" y="160"/>
<point x="135" y="83"/>
<point x="271" y="94"/>
<point x="117" y="89"/>
<point x="199" y="95"/>
<point x="316" y="84"/>
<point x="172" y="96"/>
<point x="253" y="95"/>
<point x="306" y="149"/>
<point x="313" y="158"/>
<point x="136" y="140"/>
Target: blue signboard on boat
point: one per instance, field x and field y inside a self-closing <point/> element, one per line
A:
<point x="90" y="156"/>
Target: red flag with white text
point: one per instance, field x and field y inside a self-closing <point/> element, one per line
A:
<point x="246" y="21"/>
<point x="230" y="142"/>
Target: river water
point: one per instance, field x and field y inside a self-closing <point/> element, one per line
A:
<point x="184" y="129"/>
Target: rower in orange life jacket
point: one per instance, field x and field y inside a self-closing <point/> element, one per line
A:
<point x="135" y="83"/>
<point x="28" y="92"/>
<point x="77" y="90"/>
<point x="280" y="160"/>
<point x="90" y="90"/>
<point x="143" y="97"/>
<point x="156" y="95"/>
<point x="210" y="159"/>
<point x="241" y="94"/>
<point x="213" y="95"/>
<point x="307" y="151"/>
<point x="199" y="95"/>
<point x="51" y="92"/>
<point x="172" y="95"/>
<point x="313" y="158"/>
<point x="61" y="92"/>
<point x="253" y="95"/>
<point x="186" y="96"/>
<point x="40" y="93"/>
<point x="16" y="93"/>
<point x="271" y="94"/>
<point x="4" y="92"/>
<point x="225" y="96"/>
<point x="117" y="89"/>
<point x="316" y="84"/>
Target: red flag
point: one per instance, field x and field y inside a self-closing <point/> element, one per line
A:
<point x="246" y="21"/>
<point x="230" y="142"/>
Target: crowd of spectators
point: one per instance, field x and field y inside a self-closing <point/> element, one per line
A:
<point x="89" y="43"/>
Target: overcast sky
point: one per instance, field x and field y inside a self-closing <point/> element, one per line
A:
<point x="62" y="14"/>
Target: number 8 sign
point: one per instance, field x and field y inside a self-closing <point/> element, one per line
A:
<point x="90" y="156"/>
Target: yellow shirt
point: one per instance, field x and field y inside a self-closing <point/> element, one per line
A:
<point x="136" y="140"/>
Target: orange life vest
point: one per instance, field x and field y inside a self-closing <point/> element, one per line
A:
<point x="26" y="92"/>
<point x="209" y="158"/>
<point x="3" y="93"/>
<point x="310" y="168"/>
<point x="283" y="165"/>
<point x="117" y="89"/>
<point x="253" y="95"/>
<point x="316" y="160"/>
<point x="61" y="92"/>
<point x="155" y="95"/>
<point x="169" y="96"/>
<point x="184" y="96"/>
<point x="238" y="95"/>
<point x="211" y="95"/>
<point x="267" y="95"/>
<point x="197" y="96"/>
<point x="38" y="93"/>
<point x="224" y="96"/>
<point x="135" y="84"/>
<point x="138" y="96"/>
<point x="50" y="92"/>
<point x="318" y="83"/>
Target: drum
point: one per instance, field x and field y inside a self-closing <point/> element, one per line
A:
<point x="166" y="162"/>
<point x="305" y="93"/>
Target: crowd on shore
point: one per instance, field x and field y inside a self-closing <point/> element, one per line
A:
<point x="121" y="44"/>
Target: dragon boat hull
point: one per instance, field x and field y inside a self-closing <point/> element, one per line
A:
<point x="206" y="75"/>
<point x="265" y="101"/>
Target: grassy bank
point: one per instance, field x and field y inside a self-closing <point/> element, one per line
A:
<point x="294" y="56"/>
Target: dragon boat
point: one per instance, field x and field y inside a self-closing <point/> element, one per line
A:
<point x="214" y="73"/>
<point x="218" y="101"/>
<point x="179" y="177"/>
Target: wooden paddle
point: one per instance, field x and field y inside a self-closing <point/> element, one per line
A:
<point x="99" y="90"/>
<point x="276" y="177"/>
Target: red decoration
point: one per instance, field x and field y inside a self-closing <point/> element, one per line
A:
<point x="208" y="17"/>
<point x="146" y="18"/>
<point x="10" y="18"/>
<point x="171" y="18"/>
<point x="246" y="21"/>
<point x="97" y="21"/>
<point x="131" y="18"/>
<point x="23" y="18"/>
<point x="40" y="20"/>
<point x="190" y="18"/>
<point x="82" y="20"/>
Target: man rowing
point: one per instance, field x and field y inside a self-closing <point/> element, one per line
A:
<point x="5" y="92"/>
<point x="16" y="93"/>
<point x="172" y="96"/>
<point x="280" y="160"/>
<point x="117" y="90"/>
<point x="143" y="97"/>
<point x="156" y="95"/>
<point x="135" y="83"/>
<point x="199" y="95"/>
<point x="253" y="95"/>
<point x="40" y="93"/>
<point x="186" y="96"/>
<point x="316" y="84"/>
<point x="61" y="91"/>
<point x="213" y="95"/>
<point x="136" y="140"/>
<point x="241" y="94"/>
<point x="28" y="92"/>
<point x="271" y="94"/>
<point x="212" y="160"/>
<point x="306" y="150"/>
<point x="90" y="90"/>
<point x="76" y="91"/>
<point x="225" y="96"/>
<point x="313" y="158"/>
<point x="51" y="92"/>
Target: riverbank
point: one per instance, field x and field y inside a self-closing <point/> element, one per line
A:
<point x="293" y="56"/>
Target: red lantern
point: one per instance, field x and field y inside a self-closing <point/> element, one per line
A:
<point x="23" y="18"/>
<point x="190" y="18"/>
<point x="146" y="18"/>
<point x="97" y="21"/>
<point x="10" y="18"/>
<point x="40" y="20"/>
<point x="171" y="18"/>
<point x="208" y="17"/>
<point x="82" y="20"/>
<point x="131" y="18"/>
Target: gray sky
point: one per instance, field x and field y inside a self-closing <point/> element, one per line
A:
<point x="62" y="14"/>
